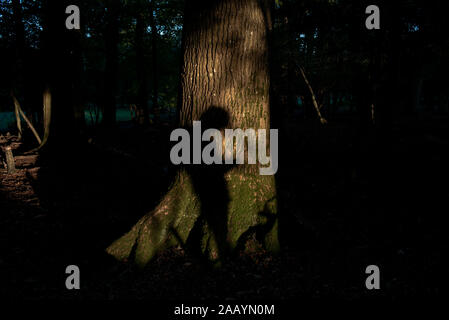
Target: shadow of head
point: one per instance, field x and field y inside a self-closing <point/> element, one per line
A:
<point x="217" y="118"/>
<point x="214" y="118"/>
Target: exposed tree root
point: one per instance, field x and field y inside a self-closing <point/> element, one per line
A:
<point x="213" y="213"/>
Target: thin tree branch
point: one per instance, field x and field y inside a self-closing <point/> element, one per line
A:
<point x="28" y="122"/>
<point x="315" y="103"/>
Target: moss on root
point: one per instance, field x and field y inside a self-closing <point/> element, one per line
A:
<point x="252" y="206"/>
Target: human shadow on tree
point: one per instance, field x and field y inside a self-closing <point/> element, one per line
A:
<point x="210" y="185"/>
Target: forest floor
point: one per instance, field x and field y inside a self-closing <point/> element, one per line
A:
<point x="343" y="205"/>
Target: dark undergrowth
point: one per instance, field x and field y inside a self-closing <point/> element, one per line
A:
<point x="345" y="203"/>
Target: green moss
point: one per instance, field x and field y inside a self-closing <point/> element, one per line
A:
<point x="122" y="247"/>
<point x="145" y="250"/>
<point x="271" y="241"/>
<point x="252" y="203"/>
<point x="249" y="195"/>
<point x="187" y="208"/>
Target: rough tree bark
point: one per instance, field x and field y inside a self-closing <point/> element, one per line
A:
<point x="225" y="84"/>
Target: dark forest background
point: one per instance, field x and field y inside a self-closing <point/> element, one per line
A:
<point x="364" y="181"/>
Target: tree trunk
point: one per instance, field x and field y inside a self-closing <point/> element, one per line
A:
<point x="17" y="115"/>
<point x="112" y="29"/>
<point x="20" y="78"/>
<point x="57" y="65"/>
<point x="19" y="43"/>
<point x="10" y="163"/>
<point x="154" y="57"/>
<point x="216" y="209"/>
<point x="47" y="116"/>
<point x="142" y="95"/>
<point x="76" y="68"/>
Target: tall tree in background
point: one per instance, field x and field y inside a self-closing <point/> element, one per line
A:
<point x="19" y="32"/>
<point x="58" y="45"/>
<point x="111" y="38"/>
<point x="142" y="94"/>
<point x="18" y="72"/>
<point x="154" y="57"/>
<point x="225" y="84"/>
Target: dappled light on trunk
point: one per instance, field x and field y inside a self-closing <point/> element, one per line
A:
<point x="225" y="84"/>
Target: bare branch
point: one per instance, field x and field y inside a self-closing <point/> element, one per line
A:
<point x="315" y="103"/>
<point x="30" y="125"/>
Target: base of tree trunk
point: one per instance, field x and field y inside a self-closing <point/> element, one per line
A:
<point x="213" y="211"/>
<point x="10" y="163"/>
